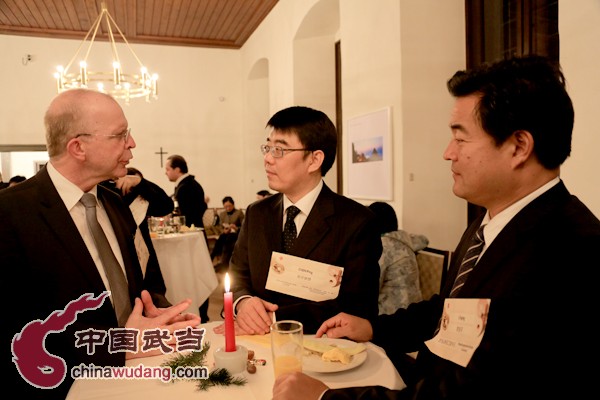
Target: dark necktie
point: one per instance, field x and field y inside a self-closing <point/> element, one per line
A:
<point x="469" y="261"/>
<point x="119" y="290"/>
<point x="289" y="230"/>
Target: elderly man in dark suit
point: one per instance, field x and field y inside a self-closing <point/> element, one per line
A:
<point x="511" y="131"/>
<point x="51" y="256"/>
<point x="331" y="229"/>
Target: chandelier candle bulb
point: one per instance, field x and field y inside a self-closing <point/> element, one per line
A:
<point x="59" y="81"/>
<point x="144" y="77"/>
<point x="83" y="73"/>
<point x="154" y="85"/>
<point x="228" y="309"/>
<point x="117" y="73"/>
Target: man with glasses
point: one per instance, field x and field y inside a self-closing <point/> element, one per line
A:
<point x="53" y="253"/>
<point x="516" y="324"/>
<point x="330" y="229"/>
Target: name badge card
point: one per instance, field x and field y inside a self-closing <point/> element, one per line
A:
<point x="307" y="279"/>
<point x="461" y="329"/>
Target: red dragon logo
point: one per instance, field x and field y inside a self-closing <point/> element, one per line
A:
<point x="38" y="367"/>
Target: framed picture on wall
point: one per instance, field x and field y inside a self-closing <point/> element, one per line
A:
<point x="37" y="165"/>
<point x="370" y="155"/>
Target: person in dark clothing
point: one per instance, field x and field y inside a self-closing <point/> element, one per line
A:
<point x="511" y="127"/>
<point x="192" y="203"/>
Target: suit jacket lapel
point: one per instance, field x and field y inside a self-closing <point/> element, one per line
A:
<point x="273" y="229"/>
<point x="61" y="225"/>
<point x="316" y="225"/>
<point x="514" y="234"/>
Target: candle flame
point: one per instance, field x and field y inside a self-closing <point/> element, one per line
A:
<point x="227" y="284"/>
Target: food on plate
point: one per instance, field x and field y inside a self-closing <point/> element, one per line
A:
<point x="331" y="352"/>
<point x="337" y="354"/>
<point x="316" y="346"/>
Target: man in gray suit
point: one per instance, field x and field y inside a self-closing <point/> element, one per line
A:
<point x="50" y="259"/>
<point x="511" y="128"/>
<point x="331" y="229"/>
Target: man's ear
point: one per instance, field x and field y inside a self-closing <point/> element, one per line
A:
<point x="76" y="148"/>
<point x="522" y="147"/>
<point x="317" y="158"/>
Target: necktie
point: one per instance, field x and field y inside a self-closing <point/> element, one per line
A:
<point x="289" y="230"/>
<point x="116" y="279"/>
<point x="469" y="261"/>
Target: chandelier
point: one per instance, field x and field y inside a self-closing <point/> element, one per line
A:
<point x="116" y="82"/>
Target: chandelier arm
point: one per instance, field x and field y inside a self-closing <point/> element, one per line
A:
<point x="94" y="25"/>
<point x="94" y="35"/>
<point x="113" y="45"/>
<point x="125" y="40"/>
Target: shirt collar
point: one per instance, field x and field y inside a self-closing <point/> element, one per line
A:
<point x="306" y="203"/>
<point x="182" y="177"/>
<point x="495" y="225"/>
<point x="67" y="190"/>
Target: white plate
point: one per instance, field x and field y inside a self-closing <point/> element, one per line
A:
<point x="313" y="362"/>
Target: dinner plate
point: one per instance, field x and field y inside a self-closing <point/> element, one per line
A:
<point x="312" y="362"/>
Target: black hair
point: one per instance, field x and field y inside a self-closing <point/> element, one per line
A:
<point x="178" y="161"/>
<point x="385" y="217"/>
<point x="314" y="129"/>
<point x="522" y="93"/>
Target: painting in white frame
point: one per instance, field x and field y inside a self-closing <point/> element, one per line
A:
<point x="370" y="156"/>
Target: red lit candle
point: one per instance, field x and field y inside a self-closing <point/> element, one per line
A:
<point x="228" y="308"/>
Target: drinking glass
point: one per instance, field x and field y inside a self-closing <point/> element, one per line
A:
<point x="287" y="346"/>
<point x="176" y="222"/>
<point x="156" y="226"/>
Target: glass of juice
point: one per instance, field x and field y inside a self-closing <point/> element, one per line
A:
<point x="287" y="346"/>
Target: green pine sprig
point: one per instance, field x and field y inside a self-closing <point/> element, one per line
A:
<point x="192" y="359"/>
<point x="217" y="377"/>
<point x="220" y="377"/>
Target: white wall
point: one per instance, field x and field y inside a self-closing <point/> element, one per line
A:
<point x="214" y="103"/>
<point x="579" y="29"/>
<point x="197" y="115"/>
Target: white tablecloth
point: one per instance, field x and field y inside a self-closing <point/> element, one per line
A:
<point x="186" y="267"/>
<point x="376" y="370"/>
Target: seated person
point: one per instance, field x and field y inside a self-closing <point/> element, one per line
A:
<point x="231" y="220"/>
<point x="399" y="275"/>
<point x="511" y="127"/>
<point x="329" y="228"/>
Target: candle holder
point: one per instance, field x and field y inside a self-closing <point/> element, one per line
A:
<point x="232" y="361"/>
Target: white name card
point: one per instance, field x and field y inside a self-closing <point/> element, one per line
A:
<point x="300" y="277"/>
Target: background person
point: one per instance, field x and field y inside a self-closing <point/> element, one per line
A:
<point x="15" y="180"/>
<point x="261" y="194"/>
<point x="188" y="192"/>
<point x="511" y="128"/>
<point x="145" y="199"/>
<point x="231" y="220"/>
<point x="399" y="271"/>
<point x="192" y="204"/>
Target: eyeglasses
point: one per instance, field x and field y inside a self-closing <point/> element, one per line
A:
<point x="277" y="151"/>
<point x="123" y="135"/>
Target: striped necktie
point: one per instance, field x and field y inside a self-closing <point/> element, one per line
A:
<point x="469" y="261"/>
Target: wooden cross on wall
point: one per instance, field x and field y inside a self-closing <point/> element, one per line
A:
<point x="161" y="152"/>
